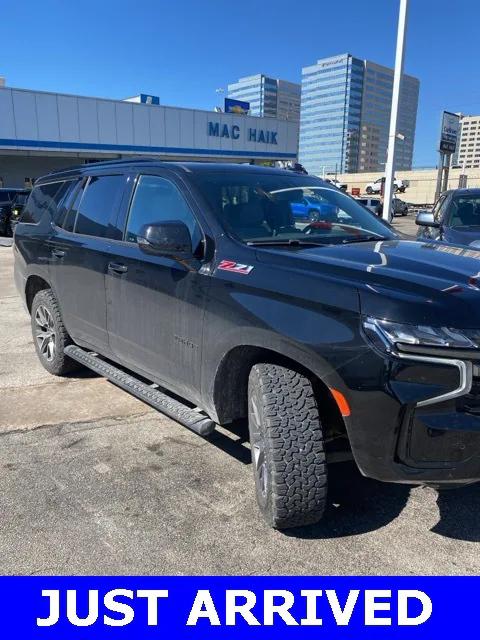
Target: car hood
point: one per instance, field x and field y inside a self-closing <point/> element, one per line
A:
<point x="399" y="280"/>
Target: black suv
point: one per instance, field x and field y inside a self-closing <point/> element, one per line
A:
<point x="193" y="281"/>
<point x="9" y="200"/>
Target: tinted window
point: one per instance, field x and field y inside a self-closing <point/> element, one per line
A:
<point x="102" y="197"/>
<point x="43" y="198"/>
<point x="257" y="206"/>
<point x="159" y="200"/>
<point x="465" y="211"/>
<point x="63" y="218"/>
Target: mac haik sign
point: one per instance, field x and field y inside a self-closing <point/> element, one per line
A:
<point x="233" y="131"/>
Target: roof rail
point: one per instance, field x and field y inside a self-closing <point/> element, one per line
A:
<point x="102" y="163"/>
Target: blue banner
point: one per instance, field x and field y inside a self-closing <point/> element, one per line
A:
<point x="236" y="607"/>
<point x="236" y="106"/>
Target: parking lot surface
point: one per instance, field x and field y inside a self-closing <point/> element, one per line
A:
<point x="95" y="482"/>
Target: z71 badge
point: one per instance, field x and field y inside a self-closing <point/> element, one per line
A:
<point x="229" y="265"/>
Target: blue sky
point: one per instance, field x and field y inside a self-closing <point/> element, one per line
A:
<point x="182" y="50"/>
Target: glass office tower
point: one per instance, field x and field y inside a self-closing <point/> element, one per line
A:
<point x="345" y="115"/>
<point x="268" y="97"/>
<point x="330" y="114"/>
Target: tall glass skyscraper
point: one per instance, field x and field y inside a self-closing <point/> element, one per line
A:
<point x="345" y="114"/>
<point x="268" y="97"/>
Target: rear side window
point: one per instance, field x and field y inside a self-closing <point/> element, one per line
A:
<point x="63" y="211"/>
<point x="44" y="198"/>
<point x="101" y="198"/>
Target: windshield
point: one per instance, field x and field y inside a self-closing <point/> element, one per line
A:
<point x="465" y="211"/>
<point x="287" y="209"/>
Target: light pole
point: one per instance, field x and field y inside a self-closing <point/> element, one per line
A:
<point x="392" y="136"/>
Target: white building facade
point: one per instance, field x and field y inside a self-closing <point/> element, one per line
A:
<point x="467" y="155"/>
<point x="41" y="132"/>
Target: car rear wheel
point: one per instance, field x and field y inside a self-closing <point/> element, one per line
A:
<point x="49" y="334"/>
<point x="287" y="442"/>
<point x="314" y="215"/>
<point x="369" y="190"/>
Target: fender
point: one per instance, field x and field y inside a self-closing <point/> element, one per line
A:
<point x="223" y="377"/>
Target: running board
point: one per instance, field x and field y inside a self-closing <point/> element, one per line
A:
<point x="190" y="418"/>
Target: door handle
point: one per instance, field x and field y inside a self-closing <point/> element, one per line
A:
<point x="58" y="253"/>
<point x="117" y="267"/>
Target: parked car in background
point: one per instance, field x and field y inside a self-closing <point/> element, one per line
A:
<point x="7" y="199"/>
<point x="313" y="208"/>
<point x="376" y="187"/>
<point x="343" y="186"/>
<point x="400" y="208"/>
<point x="370" y="203"/>
<point x="455" y="218"/>
<point x="17" y="206"/>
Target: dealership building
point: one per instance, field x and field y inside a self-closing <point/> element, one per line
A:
<point x="41" y="132"/>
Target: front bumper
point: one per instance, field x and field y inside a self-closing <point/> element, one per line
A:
<point x="419" y="422"/>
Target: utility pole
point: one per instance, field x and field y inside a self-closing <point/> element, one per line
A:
<point x="438" y="189"/>
<point x="448" y="158"/>
<point x="392" y="136"/>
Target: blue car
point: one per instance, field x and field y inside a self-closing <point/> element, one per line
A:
<point x="455" y="218"/>
<point x="313" y="209"/>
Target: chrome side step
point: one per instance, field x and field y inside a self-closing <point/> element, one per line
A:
<point x="191" y="418"/>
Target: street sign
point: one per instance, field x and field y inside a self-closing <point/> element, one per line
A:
<point x="449" y="132"/>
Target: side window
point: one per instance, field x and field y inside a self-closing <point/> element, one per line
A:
<point x="64" y="218"/>
<point x="157" y="200"/>
<point x="43" y="198"/>
<point x="102" y="196"/>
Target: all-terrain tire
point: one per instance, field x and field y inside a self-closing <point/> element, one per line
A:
<point x="45" y="306"/>
<point x="288" y="453"/>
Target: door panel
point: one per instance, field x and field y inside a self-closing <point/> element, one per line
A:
<point x="155" y="304"/>
<point x="78" y="262"/>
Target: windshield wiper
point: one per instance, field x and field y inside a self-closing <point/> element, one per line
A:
<point x="292" y="242"/>
<point x="368" y="238"/>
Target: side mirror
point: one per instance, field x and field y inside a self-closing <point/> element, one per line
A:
<point x="426" y="219"/>
<point x="170" y="238"/>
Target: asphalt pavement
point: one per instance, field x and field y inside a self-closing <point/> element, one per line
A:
<point x="95" y="482"/>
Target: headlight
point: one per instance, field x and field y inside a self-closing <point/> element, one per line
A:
<point x="389" y="334"/>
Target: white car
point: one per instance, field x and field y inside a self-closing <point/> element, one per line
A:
<point x="336" y="183"/>
<point x="370" y="203"/>
<point x="376" y="187"/>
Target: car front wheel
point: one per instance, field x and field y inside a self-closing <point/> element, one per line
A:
<point x="288" y="453"/>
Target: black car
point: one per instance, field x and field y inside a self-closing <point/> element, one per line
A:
<point x="11" y="201"/>
<point x="194" y="281"/>
<point x="455" y="218"/>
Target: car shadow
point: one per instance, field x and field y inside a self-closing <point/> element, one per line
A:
<point x="359" y="505"/>
<point x="459" y="513"/>
<point x="355" y="504"/>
